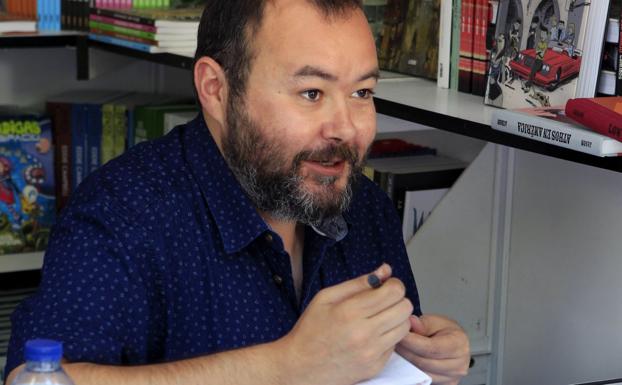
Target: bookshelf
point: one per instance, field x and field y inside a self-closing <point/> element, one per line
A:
<point x="412" y="100"/>
<point x="10" y="263"/>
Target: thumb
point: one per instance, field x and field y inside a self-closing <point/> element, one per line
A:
<point x="342" y="291"/>
<point x="418" y="326"/>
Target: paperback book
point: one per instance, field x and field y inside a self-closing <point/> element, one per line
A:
<point x="551" y="125"/>
<point x="27" y="202"/>
<point x="545" y="52"/>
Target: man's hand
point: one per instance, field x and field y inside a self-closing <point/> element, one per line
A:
<point x="438" y="346"/>
<point x="348" y="332"/>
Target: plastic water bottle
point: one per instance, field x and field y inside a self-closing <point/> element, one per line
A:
<point x="42" y="364"/>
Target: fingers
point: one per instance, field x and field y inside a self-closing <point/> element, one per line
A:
<point x="347" y="289"/>
<point x="442" y="345"/>
<point x="368" y="303"/>
<point x="445" y="371"/>
<point x="393" y="316"/>
<point x="393" y="336"/>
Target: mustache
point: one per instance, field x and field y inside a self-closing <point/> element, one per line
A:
<point x="333" y="151"/>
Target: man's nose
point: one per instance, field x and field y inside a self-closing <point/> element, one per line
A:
<point x="339" y="125"/>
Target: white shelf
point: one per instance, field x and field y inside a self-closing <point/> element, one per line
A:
<point x="21" y="262"/>
<point x="424" y="94"/>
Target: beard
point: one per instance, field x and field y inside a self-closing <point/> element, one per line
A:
<point x="273" y="182"/>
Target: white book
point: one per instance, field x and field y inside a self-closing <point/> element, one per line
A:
<point x="444" y="44"/>
<point x="550" y="125"/>
<point x="173" y="119"/>
<point x="418" y="206"/>
<point x="398" y="371"/>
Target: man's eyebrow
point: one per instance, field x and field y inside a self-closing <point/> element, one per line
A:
<point x="311" y="71"/>
<point x="373" y="74"/>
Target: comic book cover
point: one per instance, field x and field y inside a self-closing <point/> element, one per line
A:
<point x="27" y="202"/>
<point x="409" y="41"/>
<point x="537" y="51"/>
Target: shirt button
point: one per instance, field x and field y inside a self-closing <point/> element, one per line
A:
<point x="269" y="237"/>
<point x="277" y="279"/>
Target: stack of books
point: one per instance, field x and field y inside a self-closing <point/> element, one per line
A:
<point x="148" y="30"/>
<point x="589" y="125"/>
<point x="18" y="17"/>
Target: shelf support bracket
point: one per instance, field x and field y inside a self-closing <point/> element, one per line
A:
<point x="82" y="57"/>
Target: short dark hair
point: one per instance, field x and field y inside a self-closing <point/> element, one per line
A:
<point x="227" y="26"/>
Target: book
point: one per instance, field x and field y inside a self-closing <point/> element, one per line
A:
<point x="397" y="175"/>
<point x="455" y="44"/>
<point x="551" y="125"/>
<point x="465" y="60"/>
<point x="14" y="23"/>
<point x="410" y="38"/>
<point x="156" y="35"/>
<point x="548" y="51"/>
<point x="418" y="206"/>
<point x="27" y="200"/>
<point x="155" y="17"/>
<point x="71" y="124"/>
<point x="444" y="44"/>
<point x="399" y="371"/>
<point x="603" y="114"/>
<point x="168" y="43"/>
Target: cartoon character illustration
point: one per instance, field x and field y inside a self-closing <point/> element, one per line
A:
<point x="543" y="44"/>
<point x="531" y="36"/>
<point x="554" y="28"/>
<point x="497" y="62"/>
<point x="8" y="188"/>
<point x="568" y="39"/>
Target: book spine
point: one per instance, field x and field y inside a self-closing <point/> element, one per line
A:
<point x="117" y="35"/>
<point x="619" y="58"/>
<point x="119" y="130"/>
<point x="595" y="116"/>
<point x="548" y="131"/>
<point x="444" y="45"/>
<point x="93" y="138"/>
<point x="478" y="86"/>
<point x="122" y="42"/>
<point x="115" y="14"/>
<point x="455" y="43"/>
<point x="61" y="131"/>
<point x="79" y="121"/>
<point x="466" y="49"/>
<point x="122" y="23"/>
<point x="95" y="25"/>
<point x="130" y="136"/>
<point x="107" y="136"/>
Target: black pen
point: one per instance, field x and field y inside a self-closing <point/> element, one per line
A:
<point x="374" y="281"/>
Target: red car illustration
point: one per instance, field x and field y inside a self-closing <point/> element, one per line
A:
<point x="557" y="67"/>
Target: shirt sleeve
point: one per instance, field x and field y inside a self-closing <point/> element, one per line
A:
<point x="89" y="289"/>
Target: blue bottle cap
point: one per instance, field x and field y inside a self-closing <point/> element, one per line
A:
<point x="43" y="350"/>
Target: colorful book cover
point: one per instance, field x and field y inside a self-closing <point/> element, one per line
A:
<point x="537" y="52"/>
<point x="27" y="203"/>
<point x="410" y="40"/>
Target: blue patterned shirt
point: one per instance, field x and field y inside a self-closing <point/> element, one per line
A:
<point x="161" y="256"/>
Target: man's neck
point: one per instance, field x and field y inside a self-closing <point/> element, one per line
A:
<point x="292" y="235"/>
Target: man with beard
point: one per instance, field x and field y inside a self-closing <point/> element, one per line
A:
<point x="244" y="247"/>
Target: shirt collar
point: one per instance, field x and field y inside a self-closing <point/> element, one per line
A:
<point x="207" y="165"/>
<point x="226" y="200"/>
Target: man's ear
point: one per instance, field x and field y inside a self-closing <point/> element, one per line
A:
<point x="211" y="86"/>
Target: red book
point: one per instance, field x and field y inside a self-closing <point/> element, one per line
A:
<point x="603" y="114"/>
<point x="465" y="62"/>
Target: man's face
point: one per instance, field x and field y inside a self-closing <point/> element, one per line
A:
<point x="297" y="138"/>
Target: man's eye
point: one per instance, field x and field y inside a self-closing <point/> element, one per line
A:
<point x="365" y="93"/>
<point x="313" y="95"/>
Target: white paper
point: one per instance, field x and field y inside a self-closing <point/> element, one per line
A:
<point x="398" y="371"/>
